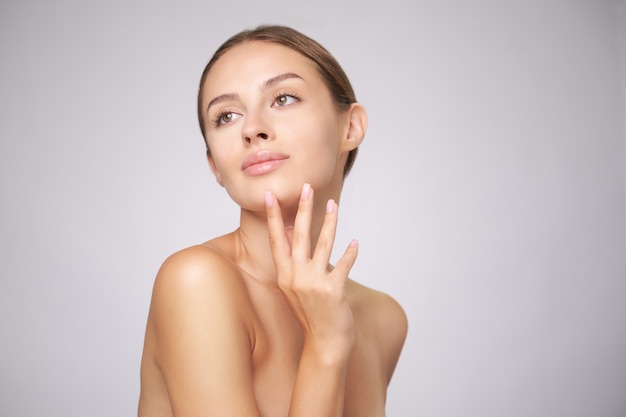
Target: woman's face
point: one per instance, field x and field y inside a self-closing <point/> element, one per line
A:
<point x="271" y="124"/>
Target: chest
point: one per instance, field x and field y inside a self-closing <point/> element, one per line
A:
<point x="278" y="345"/>
<point x="275" y="361"/>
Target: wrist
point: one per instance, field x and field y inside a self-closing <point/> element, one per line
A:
<point x="328" y="353"/>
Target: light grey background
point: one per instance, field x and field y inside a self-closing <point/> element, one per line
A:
<point x="488" y="198"/>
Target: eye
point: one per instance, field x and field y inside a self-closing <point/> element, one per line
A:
<point x="225" y="117"/>
<point x="284" y="100"/>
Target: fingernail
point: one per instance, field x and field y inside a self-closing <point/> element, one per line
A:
<point x="354" y="243"/>
<point x="306" y="191"/>
<point x="330" y="206"/>
<point x="269" y="199"/>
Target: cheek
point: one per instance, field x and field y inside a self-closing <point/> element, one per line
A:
<point x="221" y="143"/>
<point x="315" y="127"/>
<point x="223" y="160"/>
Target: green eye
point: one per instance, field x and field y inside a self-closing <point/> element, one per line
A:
<point x="284" y="100"/>
<point x="226" y="118"/>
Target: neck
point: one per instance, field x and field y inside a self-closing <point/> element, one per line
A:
<point x="253" y="252"/>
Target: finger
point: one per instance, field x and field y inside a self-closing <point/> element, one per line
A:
<point x="301" y="240"/>
<point x="276" y="230"/>
<point x="326" y="239"/>
<point x="345" y="263"/>
<point x="289" y="234"/>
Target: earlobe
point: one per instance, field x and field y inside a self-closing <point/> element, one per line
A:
<point x="218" y="176"/>
<point x="357" y="118"/>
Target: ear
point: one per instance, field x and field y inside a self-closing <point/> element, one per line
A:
<point x="218" y="176"/>
<point x="357" y="126"/>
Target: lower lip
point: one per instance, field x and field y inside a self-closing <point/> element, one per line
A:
<point x="264" y="167"/>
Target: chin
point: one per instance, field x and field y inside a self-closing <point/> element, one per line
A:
<point x="287" y="194"/>
<point x="286" y="189"/>
<point x="253" y="198"/>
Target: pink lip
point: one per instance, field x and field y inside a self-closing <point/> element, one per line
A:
<point x="263" y="162"/>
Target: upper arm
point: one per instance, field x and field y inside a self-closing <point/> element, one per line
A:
<point x="397" y="328"/>
<point x="202" y="335"/>
<point x="391" y="326"/>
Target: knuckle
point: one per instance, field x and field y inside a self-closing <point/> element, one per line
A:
<point x="274" y="241"/>
<point x="298" y="239"/>
<point x="284" y="284"/>
<point x="324" y="244"/>
<point x="300" y="286"/>
<point x="316" y="289"/>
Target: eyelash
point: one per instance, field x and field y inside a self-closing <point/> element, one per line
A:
<point x="284" y="94"/>
<point x="218" y="117"/>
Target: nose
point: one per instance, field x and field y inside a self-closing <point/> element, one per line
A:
<point x="255" y="128"/>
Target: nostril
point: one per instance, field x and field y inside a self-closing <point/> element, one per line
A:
<point x="262" y="135"/>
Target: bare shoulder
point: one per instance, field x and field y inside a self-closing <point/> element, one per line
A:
<point x="378" y="309"/>
<point x="198" y="277"/>
<point x="381" y="320"/>
<point x="199" y="315"/>
<point x="195" y="265"/>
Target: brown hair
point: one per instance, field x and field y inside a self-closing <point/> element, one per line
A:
<point x="333" y="75"/>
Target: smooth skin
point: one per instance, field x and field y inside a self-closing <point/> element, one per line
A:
<point x="257" y="322"/>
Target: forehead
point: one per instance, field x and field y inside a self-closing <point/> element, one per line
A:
<point x="254" y="62"/>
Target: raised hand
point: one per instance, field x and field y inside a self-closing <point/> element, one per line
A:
<point x="316" y="296"/>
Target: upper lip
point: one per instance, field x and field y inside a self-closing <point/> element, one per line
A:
<point x="262" y="156"/>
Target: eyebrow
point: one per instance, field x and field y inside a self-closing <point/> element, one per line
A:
<point x="221" y="98"/>
<point x="267" y="84"/>
<point x="280" y="78"/>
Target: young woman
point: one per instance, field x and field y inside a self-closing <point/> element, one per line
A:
<point x="257" y="322"/>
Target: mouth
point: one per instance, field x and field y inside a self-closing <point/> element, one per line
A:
<point x="263" y="162"/>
